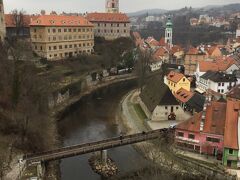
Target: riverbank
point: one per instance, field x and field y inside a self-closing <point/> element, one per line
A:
<point x="133" y="123"/>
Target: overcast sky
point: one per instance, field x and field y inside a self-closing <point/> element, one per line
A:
<point x="34" y="6"/>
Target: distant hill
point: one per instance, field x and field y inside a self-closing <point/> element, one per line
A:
<point x="149" y="11"/>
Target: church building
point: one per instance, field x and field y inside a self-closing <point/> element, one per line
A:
<point x="2" y="22"/>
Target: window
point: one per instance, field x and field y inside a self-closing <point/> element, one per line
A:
<point x="166" y="107"/>
<point x="222" y="84"/>
<point x="181" y="134"/>
<point x="219" y="84"/>
<point x="69" y="30"/>
<point x="55" y="47"/>
<point x="219" y="90"/>
<point x="48" y="30"/>
<point x="211" y="139"/>
<point x="59" y="30"/>
<point x="184" y="79"/>
<point x="222" y="91"/>
<point x="177" y="108"/>
<point x="60" y="47"/>
<point x="50" y="48"/>
<point x="35" y="30"/>
<point x="66" y="46"/>
<point x="230" y="151"/>
<point x="53" y="30"/>
<point x="74" y="30"/>
<point x="191" y="136"/>
<point x="65" y="30"/>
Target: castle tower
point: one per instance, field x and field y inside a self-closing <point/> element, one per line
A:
<point x="169" y="33"/>
<point x="2" y="22"/>
<point x="112" y="6"/>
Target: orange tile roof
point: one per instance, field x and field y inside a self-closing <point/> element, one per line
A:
<point x="175" y="76"/>
<point x="193" y="124"/>
<point x="10" y="22"/>
<point x="161" y="52"/>
<point x="220" y="64"/>
<point x="183" y="95"/>
<point x="215" y="118"/>
<point x="152" y="42"/>
<point x="60" y="20"/>
<point x="192" y="51"/>
<point x="108" y="17"/>
<point x="211" y="50"/>
<point x="176" y="48"/>
<point x="162" y="42"/>
<point x="231" y="125"/>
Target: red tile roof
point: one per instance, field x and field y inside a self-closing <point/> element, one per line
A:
<point x="175" y="76"/>
<point x="215" y="118"/>
<point x="192" y="51"/>
<point x="108" y="17"/>
<point x="183" y="95"/>
<point x="231" y="125"/>
<point x="60" y="20"/>
<point x="160" y="53"/>
<point x="220" y="64"/>
<point x="162" y="42"/>
<point x="193" y="124"/>
<point x="212" y="49"/>
<point x="152" y="42"/>
<point x="176" y="48"/>
<point x="10" y="22"/>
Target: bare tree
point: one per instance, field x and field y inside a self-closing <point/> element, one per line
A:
<point x="18" y="20"/>
<point x="143" y="59"/>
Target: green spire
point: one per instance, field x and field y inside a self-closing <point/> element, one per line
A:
<point x="169" y="23"/>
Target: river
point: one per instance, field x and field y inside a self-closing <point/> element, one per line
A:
<point x="94" y="118"/>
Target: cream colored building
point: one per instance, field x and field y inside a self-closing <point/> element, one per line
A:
<point x="57" y="37"/>
<point x="2" y="22"/>
<point x="110" y="25"/>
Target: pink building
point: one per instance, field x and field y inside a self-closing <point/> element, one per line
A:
<point x="204" y="132"/>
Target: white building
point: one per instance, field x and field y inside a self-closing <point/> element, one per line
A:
<point x="238" y="32"/>
<point x="169" y="33"/>
<point x="216" y="81"/>
<point x="227" y="65"/>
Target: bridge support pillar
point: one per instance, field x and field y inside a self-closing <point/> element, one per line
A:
<point x="41" y="169"/>
<point x="104" y="156"/>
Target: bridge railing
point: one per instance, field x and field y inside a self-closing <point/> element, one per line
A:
<point x="117" y="140"/>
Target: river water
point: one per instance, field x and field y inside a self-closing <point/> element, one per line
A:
<point x="94" y="118"/>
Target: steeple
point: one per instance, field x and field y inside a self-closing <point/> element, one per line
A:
<point x="112" y="6"/>
<point x="2" y="22"/>
<point x="169" y="33"/>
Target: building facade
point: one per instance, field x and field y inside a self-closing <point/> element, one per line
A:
<point x="110" y="25"/>
<point x="2" y="22"/>
<point x="176" y="81"/>
<point x="57" y="37"/>
<point x="112" y="6"/>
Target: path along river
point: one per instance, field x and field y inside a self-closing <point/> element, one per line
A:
<point x="94" y="118"/>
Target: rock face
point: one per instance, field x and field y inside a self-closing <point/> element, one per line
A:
<point x="105" y="169"/>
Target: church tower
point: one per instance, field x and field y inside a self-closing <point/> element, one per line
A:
<point x="169" y="33"/>
<point x="2" y="22"/>
<point x="112" y="6"/>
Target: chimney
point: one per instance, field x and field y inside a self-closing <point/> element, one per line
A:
<point x="206" y="104"/>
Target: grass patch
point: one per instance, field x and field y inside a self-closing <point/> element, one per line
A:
<point x="138" y="109"/>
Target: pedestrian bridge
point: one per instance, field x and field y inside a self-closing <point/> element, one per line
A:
<point x="91" y="147"/>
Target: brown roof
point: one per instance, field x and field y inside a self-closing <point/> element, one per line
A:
<point x="183" y="95"/>
<point x="60" y="20"/>
<point x="192" y="51"/>
<point x="215" y="118"/>
<point x="152" y="42"/>
<point x="108" y="17"/>
<point x="176" y="48"/>
<point x="234" y="92"/>
<point x="193" y="124"/>
<point x="162" y="42"/>
<point x="161" y="52"/>
<point x="10" y="22"/>
<point x="231" y="125"/>
<point x="211" y="50"/>
<point x="220" y="64"/>
<point x="175" y="76"/>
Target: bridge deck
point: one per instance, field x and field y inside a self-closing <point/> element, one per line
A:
<point x="81" y="149"/>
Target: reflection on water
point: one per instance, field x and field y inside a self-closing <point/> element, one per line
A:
<point x="94" y="119"/>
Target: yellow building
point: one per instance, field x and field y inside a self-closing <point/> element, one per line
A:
<point x="2" y="22"/>
<point x="176" y="81"/>
<point x="57" y="37"/>
<point x="110" y="25"/>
